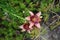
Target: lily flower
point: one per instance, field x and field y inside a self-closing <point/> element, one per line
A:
<point x="25" y="27"/>
<point x="34" y="19"/>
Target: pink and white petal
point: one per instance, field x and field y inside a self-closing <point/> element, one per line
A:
<point x="38" y="14"/>
<point x="21" y="26"/>
<point x="28" y="31"/>
<point x="37" y="25"/>
<point x="31" y="13"/>
<point x="27" y="18"/>
<point x="23" y="30"/>
<point x="31" y="24"/>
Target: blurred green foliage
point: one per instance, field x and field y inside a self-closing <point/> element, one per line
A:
<point x="13" y="12"/>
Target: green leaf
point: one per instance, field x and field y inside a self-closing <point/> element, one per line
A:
<point x="22" y="6"/>
<point x="28" y="1"/>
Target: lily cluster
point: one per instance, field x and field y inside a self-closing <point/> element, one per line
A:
<point x="33" y="20"/>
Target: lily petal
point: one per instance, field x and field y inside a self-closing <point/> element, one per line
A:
<point x="27" y="18"/>
<point x="37" y="25"/>
<point x="31" y="24"/>
<point x="38" y="14"/>
<point x="31" y="13"/>
<point x="28" y="31"/>
<point x="21" y="26"/>
<point x="41" y="17"/>
<point x="23" y="30"/>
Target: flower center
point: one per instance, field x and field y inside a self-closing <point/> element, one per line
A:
<point x="35" y="19"/>
<point x="26" y="26"/>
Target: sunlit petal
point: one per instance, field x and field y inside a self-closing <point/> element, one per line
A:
<point x="38" y="14"/>
<point x="23" y="30"/>
<point x="37" y="25"/>
<point x="31" y="24"/>
<point x="31" y="13"/>
<point x="27" y="18"/>
<point x="28" y="31"/>
<point x="21" y="26"/>
<point x="41" y="17"/>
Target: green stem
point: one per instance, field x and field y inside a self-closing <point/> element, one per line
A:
<point x="14" y="15"/>
<point x="11" y="12"/>
<point x="18" y="16"/>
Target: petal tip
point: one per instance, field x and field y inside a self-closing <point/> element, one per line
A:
<point x="21" y="26"/>
<point x="31" y="13"/>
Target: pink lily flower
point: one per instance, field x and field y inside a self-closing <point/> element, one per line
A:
<point x="34" y="19"/>
<point x="25" y="27"/>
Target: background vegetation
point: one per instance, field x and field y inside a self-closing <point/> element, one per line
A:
<point x="13" y="12"/>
